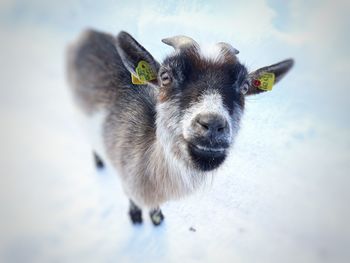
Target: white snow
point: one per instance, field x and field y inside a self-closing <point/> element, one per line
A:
<point x="283" y="195"/>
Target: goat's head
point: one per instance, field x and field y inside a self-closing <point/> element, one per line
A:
<point x="200" y="98"/>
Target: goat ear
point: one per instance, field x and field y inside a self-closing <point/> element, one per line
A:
<point x="134" y="55"/>
<point x="262" y="79"/>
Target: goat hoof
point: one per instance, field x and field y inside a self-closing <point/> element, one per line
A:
<point x="157" y="217"/>
<point x="136" y="217"/>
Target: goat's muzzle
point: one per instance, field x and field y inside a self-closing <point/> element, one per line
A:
<point x="210" y="140"/>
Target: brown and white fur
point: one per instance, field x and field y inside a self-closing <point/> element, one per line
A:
<point x="166" y="137"/>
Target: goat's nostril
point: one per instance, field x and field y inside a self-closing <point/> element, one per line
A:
<point x="212" y="124"/>
<point x="205" y="126"/>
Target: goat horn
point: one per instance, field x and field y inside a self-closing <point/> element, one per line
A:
<point x="180" y="42"/>
<point x="228" y="48"/>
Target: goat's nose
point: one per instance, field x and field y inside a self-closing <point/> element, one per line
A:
<point x="212" y="124"/>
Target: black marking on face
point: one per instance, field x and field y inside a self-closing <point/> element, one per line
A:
<point x="194" y="75"/>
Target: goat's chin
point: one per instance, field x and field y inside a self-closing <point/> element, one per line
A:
<point x="205" y="159"/>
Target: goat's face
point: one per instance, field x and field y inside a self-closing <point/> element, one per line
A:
<point x="200" y="104"/>
<point x="200" y="99"/>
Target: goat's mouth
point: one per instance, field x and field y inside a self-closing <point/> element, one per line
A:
<point x="210" y="151"/>
<point x="207" y="158"/>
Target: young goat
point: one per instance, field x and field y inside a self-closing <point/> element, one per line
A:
<point x="165" y="136"/>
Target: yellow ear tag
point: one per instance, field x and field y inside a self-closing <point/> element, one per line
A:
<point x="265" y="81"/>
<point x="144" y="74"/>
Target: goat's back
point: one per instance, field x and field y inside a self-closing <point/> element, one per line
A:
<point x="101" y="83"/>
<point x="95" y="70"/>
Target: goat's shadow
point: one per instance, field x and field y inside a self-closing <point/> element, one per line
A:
<point x="144" y="242"/>
<point x="141" y="243"/>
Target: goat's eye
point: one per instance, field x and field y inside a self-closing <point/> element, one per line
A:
<point x="245" y="88"/>
<point x="165" y="78"/>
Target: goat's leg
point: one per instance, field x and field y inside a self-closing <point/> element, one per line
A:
<point x="135" y="213"/>
<point x="98" y="161"/>
<point x="157" y="216"/>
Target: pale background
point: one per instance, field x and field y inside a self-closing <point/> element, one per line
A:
<point x="283" y="195"/>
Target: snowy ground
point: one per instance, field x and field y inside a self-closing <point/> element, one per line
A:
<point x="283" y="195"/>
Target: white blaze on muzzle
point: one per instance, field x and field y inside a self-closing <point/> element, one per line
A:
<point x="209" y="103"/>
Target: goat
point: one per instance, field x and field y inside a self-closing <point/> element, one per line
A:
<point x="165" y="134"/>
